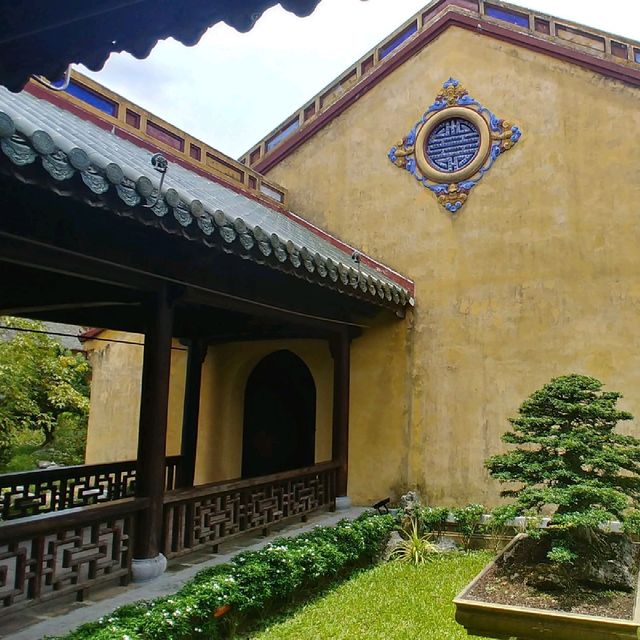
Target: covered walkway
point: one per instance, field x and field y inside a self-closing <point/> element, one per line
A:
<point x="98" y="229"/>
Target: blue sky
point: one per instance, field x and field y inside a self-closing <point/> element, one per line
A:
<point x="232" y="88"/>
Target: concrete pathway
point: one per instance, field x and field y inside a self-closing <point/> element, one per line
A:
<point x="60" y="617"/>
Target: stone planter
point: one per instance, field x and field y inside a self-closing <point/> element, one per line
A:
<point x="520" y="623"/>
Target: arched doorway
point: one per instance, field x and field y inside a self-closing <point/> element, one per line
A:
<point x="279" y="429"/>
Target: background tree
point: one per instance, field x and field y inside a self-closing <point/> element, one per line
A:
<point x="570" y="460"/>
<point x="44" y="390"/>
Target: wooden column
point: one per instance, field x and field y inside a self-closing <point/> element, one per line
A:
<point x="152" y="434"/>
<point x="340" y="350"/>
<point x="189" y="443"/>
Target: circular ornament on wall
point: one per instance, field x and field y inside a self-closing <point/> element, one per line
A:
<point x="454" y="144"/>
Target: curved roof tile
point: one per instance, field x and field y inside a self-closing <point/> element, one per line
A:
<point x="36" y="131"/>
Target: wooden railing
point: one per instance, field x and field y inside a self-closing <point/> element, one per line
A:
<point x="49" y="555"/>
<point x="208" y="514"/>
<point x="55" y="554"/>
<point x="29" y="493"/>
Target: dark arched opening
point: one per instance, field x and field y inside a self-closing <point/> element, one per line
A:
<point x="279" y="429"/>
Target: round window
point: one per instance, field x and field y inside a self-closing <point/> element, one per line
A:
<point x="452" y="145"/>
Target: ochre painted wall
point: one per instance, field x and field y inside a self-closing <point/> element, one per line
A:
<point x="115" y="397"/>
<point x="115" y="400"/>
<point x="225" y="373"/>
<point x="537" y="276"/>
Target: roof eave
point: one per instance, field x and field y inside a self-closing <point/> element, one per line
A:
<point x="103" y="186"/>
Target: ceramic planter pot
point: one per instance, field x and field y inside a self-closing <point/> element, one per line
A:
<point x="490" y="620"/>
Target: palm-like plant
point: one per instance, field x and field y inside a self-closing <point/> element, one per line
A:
<point x="414" y="548"/>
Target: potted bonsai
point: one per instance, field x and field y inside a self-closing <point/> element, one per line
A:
<point x="573" y="574"/>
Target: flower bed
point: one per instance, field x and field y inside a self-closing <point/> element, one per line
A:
<point x="246" y="586"/>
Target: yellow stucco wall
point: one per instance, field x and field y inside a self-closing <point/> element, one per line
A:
<point x="115" y="400"/>
<point x="537" y="276"/>
<point x="116" y="379"/>
<point x="224" y="377"/>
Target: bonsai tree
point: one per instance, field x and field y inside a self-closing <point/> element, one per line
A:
<point x="569" y="459"/>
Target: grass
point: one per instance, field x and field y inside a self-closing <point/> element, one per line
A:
<point x="394" y="601"/>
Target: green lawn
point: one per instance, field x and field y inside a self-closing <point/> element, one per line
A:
<point x="392" y="601"/>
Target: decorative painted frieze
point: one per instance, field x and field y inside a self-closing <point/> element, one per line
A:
<point x="453" y="145"/>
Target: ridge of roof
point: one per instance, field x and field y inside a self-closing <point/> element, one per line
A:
<point x="588" y="47"/>
<point x="189" y="205"/>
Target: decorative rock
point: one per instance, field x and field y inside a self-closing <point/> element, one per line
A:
<point x="446" y="544"/>
<point x="607" y="563"/>
<point x="46" y="464"/>
<point x="409" y="501"/>
<point x="613" y="568"/>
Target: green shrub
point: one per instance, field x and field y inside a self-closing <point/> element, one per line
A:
<point x="568" y="458"/>
<point x="432" y="520"/>
<point x="468" y="520"/>
<point x="499" y="524"/>
<point x="631" y="523"/>
<point x="250" y="583"/>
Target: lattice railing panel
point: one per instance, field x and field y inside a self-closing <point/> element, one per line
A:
<point x="209" y="514"/>
<point x="47" y="557"/>
<point x="44" y="491"/>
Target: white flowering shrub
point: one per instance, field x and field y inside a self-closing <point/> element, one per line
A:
<point x="247" y="585"/>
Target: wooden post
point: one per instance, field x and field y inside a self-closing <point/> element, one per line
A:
<point x="340" y="350"/>
<point x="189" y="444"/>
<point x="152" y="434"/>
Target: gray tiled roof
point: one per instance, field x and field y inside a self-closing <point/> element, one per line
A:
<point x="68" y="335"/>
<point x="31" y="128"/>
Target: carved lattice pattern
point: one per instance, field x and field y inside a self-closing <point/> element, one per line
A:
<point x="44" y="491"/>
<point x="47" y="557"/>
<point x="209" y="514"/>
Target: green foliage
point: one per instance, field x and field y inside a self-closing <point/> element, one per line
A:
<point x="432" y="520"/>
<point x="394" y="600"/>
<point x="69" y="441"/>
<point x="251" y="583"/>
<point x="561" y="554"/>
<point x="415" y="548"/>
<point x="631" y="523"/>
<point x="568" y="457"/>
<point x="43" y="390"/>
<point x="499" y="525"/>
<point x="469" y="521"/>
